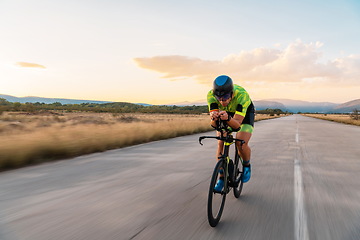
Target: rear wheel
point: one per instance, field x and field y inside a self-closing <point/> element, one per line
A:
<point x="238" y="175"/>
<point x="216" y="201"/>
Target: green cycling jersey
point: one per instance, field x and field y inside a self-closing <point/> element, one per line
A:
<point x="238" y="104"/>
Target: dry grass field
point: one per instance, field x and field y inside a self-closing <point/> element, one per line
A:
<point x="341" y="118"/>
<point x="29" y="138"/>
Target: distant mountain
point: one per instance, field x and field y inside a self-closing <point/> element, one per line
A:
<point x="187" y="103"/>
<point x="289" y="105"/>
<point x="47" y="100"/>
<point x="347" y="107"/>
<point x="304" y="106"/>
<point x="144" y="104"/>
<point x="283" y="104"/>
<point x="264" y="104"/>
<point x="294" y="106"/>
<point x="53" y="100"/>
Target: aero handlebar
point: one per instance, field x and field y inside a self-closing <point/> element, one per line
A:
<point x="222" y="126"/>
<point x="225" y="139"/>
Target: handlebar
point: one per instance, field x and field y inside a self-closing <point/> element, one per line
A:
<point x="228" y="139"/>
<point x="222" y="126"/>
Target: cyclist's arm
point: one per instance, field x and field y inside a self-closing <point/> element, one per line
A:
<point x="240" y="113"/>
<point x="233" y="122"/>
<point x="214" y="116"/>
<point x="213" y="109"/>
<point x="236" y="121"/>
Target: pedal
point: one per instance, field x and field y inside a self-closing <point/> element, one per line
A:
<point x="232" y="184"/>
<point x="220" y="192"/>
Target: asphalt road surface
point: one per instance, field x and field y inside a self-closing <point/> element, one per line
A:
<point x="305" y="185"/>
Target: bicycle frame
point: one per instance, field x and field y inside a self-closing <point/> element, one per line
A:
<point x="214" y="210"/>
<point x="225" y="157"/>
<point x="228" y="140"/>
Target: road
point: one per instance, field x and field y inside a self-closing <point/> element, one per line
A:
<point x="305" y="185"/>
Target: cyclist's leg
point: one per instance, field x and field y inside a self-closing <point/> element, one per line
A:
<point x="244" y="150"/>
<point x="220" y="148"/>
<point x="245" y="153"/>
<point x="245" y="133"/>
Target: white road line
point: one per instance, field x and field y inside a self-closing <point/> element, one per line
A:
<point x="297" y="134"/>
<point x="301" y="230"/>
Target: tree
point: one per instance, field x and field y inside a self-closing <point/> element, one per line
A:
<point x="29" y="107"/>
<point x="4" y="102"/>
<point x="355" y="114"/>
<point x="16" y="106"/>
<point x="56" y="104"/>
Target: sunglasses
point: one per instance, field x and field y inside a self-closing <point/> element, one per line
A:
<point x="224" y="97"/>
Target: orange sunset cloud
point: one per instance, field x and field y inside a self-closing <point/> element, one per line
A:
<point x="29" y="65"/>
<point x="298" y="62"/>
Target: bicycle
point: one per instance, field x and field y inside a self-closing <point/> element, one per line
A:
<point x="232" y="174"/>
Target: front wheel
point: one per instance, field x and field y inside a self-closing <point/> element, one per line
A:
<point x="216" y="201"/>
<point x="238" y="175"/>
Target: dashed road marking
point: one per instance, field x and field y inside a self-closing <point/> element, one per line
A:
<point x="301" y="230"/>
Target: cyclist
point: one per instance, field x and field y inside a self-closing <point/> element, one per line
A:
<point x="231" y="103"/>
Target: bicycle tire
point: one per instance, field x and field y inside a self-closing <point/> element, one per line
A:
<point x="238" y="175"/>
<point x="215" y="218"/>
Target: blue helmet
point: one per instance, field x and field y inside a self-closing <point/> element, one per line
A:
<point x="223" y="85"/>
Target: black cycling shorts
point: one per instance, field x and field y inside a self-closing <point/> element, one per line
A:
<point x="250" y="115"/>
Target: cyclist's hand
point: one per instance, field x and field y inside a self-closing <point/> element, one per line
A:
<point x="223" y="115"/>
<point x="214" y="115"/>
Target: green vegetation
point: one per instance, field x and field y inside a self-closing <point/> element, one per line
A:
<point x="116" y="107"/>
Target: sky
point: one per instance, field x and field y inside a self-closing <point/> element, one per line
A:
<point x="166" y="51"/>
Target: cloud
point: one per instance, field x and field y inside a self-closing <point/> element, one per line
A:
<point x="298" y="62"/>
<point x="29" y="65"/>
